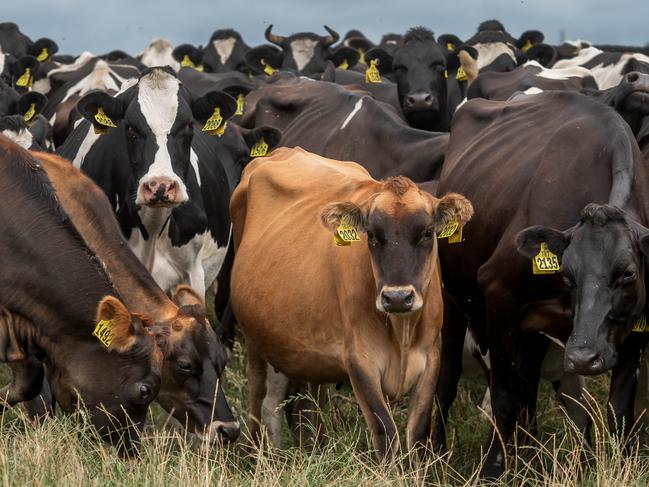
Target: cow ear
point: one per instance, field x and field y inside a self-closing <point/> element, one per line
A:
<point x="213" y="109"/>
<point x="345" y="57"/>
<point x="451" y="206"/>
<point x="334" y="214"/>
<point x="464" y="56"/>
<point x="102" y="110"/>
<point x="449" y="41"/>
<point x="528" y="39"/>
<point x="188" y="56"/>
<point x="384" y="58"/>
<point x="269" y="136"/>
<point x="544" y="54"/>
<point x="22" y="72"/>
<point x="30" y="104"/>
<point x="43" y="49"/>
<point x="260" y="57"/>
<point x="184" y="295"/>
<point x="116" y="328"/>
<point x="529" y="240"/>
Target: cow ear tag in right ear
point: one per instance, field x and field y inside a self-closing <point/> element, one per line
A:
<point x="460" y="75"/>
<point x="29" y="114"/>
<point x="260" y="149"/>
<point x="345" y="235"/>
<point x="372" y="74"/>
<point x="640" y="324"/>
<point x="268" y="69"/>
<point x="104" y="332"/>
<point x="213" y="123"/>
<point x="25" y="79"/>
<point x="43" y="55"/>
<point x="450" y="46"/>
<point x="241" y="100"/>
<point x="452" y="230"/>
<point x="545" y="262"/>
<point x="527" y="45"/>
<point x="104" y="120"/>
<point x="344" y="64"/>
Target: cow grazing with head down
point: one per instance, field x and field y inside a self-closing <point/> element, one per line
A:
<point x="369" y="312"/>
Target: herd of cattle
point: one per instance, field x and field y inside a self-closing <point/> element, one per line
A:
<point x="514" y="172"/>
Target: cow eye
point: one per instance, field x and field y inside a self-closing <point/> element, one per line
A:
<point x="146" y="392"/>
<point x="371" y="238"/>
<point x="184" y="367"/>
<point x="629" y="275"/>
<point x="428" y="234"/>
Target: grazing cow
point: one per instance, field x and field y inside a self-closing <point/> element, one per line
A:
<point x="304" y="52"/>
<point x="159" y="53"/>
<point x="225" y="51"/>
<point x="167" y="180"/>
<point x="115" y="369"/>
<point x="193" y="356"/>
<point x="529" y="78"/>
<point x="333" y="122"/>
<point x="585" y="174"/>
<point x="428" y="83"/>
<point x="352" y="312"/>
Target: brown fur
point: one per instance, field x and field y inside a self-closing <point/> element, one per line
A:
<point x="469" y="65"/>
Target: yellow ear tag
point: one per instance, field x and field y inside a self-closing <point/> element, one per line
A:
<point x="214" y="122"/>
<point x="268" y="69"/>
<point x="372" y="74"/>
<point x="640" y="324"/>
<point x="241" y="101"/>
<point x="345" y="235"/>
<point x="449" y="229"/>
<point x="344" y="64"/>
<point x="25" y="79"/>
<point x="545" y="262"/>
<point x="445" y="74"/>
<point x="260" y="149"/>
<point x="29" y="114"/>
<point x="361" y="58"/>
<point x="43" y="55"/>
<point x="187" y="63"/>
<point x="103" y="119"/>
<point x="460" y="75"/>
<point x="450" y="46"/>
<point x="219" y="131"/>
<point x="103" y="332"/>
<point x="527" y="45"/>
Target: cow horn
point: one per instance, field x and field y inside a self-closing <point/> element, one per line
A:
<point x="277" y="40"/>
<point x="332" y="38"/>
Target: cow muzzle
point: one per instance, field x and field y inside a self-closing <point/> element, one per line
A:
<point x="159" y="192"/>
<point x="420" y="101"/>
<point x="584" y="361"/>
<point x="398" y="300"/>
<point x="222" y="432"/>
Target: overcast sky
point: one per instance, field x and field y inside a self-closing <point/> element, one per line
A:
<point x="101" y="26"/>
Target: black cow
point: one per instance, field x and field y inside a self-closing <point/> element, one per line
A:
<point x="168" y="180"/>
<point x="225" y="51"/>
<point x="20" y="118"/>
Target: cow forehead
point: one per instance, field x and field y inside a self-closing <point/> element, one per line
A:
<point x="488" y="52"/>
<point x="420" y="51"/>
<point x="224" y="48"/>
<point x="401" y="205"/>
<point x="302" y="50"/>
<point x="158" y="100"/>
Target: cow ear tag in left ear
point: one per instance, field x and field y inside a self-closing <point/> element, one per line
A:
<point x="345" y="235"/>
<point x="545" y="262"/>
<point x="241" y="101"/>
<point x="29" y="114"/>
<point x="25" y="79"/>
<point x="104" y="120"/>
<point x="460" y="75"/>
<point x="372" y="74"/>
<point x="104" y="332"/>
<point x="43" y="55"/>
<point x="260" y="149"/>
<point x="213" y="123"/>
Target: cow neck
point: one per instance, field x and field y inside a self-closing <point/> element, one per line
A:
<point x="403" y="330"/>
<point x="93" y="217"/>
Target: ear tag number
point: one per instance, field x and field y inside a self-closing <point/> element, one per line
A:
<point x="450" y="46"/>
<point x="104" y="332"/>
<point x="260" y="149"/>
<point x="527" y="45"/>
<point x="460" y="75"/>
<point x="641" y="324"/>
<point x="372" y="74"/>
<point x="241" y="101"/>
<point x="345" y="235"/>
<point x="25" y="79"/>
<point x="214" y="122"/>
<point x="29" y="114"/>
<point x="545" y="262"/>
<point x="344" y="64"/>
<point x="268" y="69"/>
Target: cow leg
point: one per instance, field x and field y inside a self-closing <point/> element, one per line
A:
<point x="42" y="405"/>
<point x="256" y="374"/>
<point x="623" y="387"/>
<point x="366" y="383"/>
<point x="304" y="414"/>
<point x="28" y="375"/>
<point x="453" y="332"/>
<point x="276" y="391"/>
<point x="419" y="419"/>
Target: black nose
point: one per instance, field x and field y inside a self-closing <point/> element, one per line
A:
<point x="419" y="101"/>
<point x="398" y="301"/>
<point x="632" y="77"/>
<point x="229" y="432"/>
<point x="584" y="361"/>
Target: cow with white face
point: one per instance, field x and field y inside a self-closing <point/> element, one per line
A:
<point x="225" y="51"/>
<point x="165" y="174"/>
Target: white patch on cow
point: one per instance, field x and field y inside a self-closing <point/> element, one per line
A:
<point x="461" y="103"/>
<point x="2" y="61"/>
<point x="302" y="50"/>
<point x="561" y="73"/>
<point x="197" y="263"/>
<point x="533" y="91"/>
<point x="84" y="58"/>
<point x="159" y="53"/>
<point x="87" y="143"/>
<point x="193" y="160"/>
<point x="585" y="55"/>
<point x="487" y="53"/>
<point x="158" y="100"/>
<point x="357" y="107"/>
<point x="23" y="137"/>
<point x="224" y="48"/>
<point x="42" y="86"/>
<point x="611" y="75"/>
<point x="102" y="78"/>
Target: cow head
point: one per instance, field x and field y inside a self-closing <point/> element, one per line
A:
<point x="156" y="117"/>
<point x="602" y="262"/>
<point x="115" y="372"/>
<point x="225" y="52"/>
<point x="20" y="117"/>
<point x="401" y="223"/>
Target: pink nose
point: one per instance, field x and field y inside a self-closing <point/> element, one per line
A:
<point x="159" y="191"/>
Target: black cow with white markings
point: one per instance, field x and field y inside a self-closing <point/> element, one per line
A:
<point x="225" y="51"/>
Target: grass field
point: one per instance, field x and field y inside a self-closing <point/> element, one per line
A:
<point x="63" y="451"/>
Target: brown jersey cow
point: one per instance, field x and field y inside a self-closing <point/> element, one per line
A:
<point x="369" y="312"/>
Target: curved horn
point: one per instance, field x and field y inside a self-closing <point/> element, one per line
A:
<point x="332" y="38"/>
<point x="277" y="40"/>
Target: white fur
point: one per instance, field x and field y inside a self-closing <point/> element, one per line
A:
<point x="158" y="100"/>
<point x="159" y="53"/>
<point x="193" y="160"/>
<point x="303" y="51"/>
<point x="98" y="79"/>
<point x="357" y="107"/>
<point x="533" y="91"/>
<point x="488" y="52"/>
<point x="561" y="73"/>
<point x="23" y="138"/>
<point x="87" y="143"/>
<point x="224" y="48"/>
<point x="2" y="60"/>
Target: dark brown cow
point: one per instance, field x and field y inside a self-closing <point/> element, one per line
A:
<point x="55" y="297"/>
<point x="369" y="312"/>
<point x="194" y="358"/>
<point x="563" y="160"/>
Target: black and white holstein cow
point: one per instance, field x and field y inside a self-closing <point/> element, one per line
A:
<point x="159" y="53"/>
<point x="21" y="121"/>
<point x="168" y="181"/>
<point x="225" y="51"/>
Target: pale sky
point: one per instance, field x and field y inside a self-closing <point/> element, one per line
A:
<point x="101" y="26"/>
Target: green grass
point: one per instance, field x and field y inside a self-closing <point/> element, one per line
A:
<point x="64" y="451"/>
